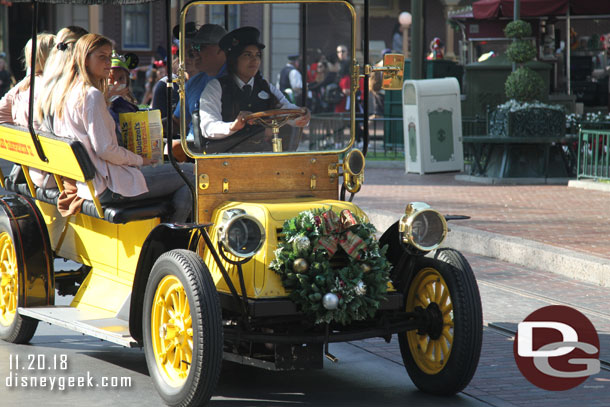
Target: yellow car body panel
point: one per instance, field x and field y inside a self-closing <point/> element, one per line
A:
<point x="111" y="249"/>
<point x="260" y="281"/>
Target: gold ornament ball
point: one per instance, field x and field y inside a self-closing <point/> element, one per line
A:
<point x="366" y="268"/>
<point x="300" y="265"/>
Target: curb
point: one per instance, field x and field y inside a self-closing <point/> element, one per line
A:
<point x="515" y="250"/>
<point x="590" y="185"/>
<point x="511" y="181"/>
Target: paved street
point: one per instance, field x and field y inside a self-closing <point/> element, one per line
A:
<point x="370" y="372"/>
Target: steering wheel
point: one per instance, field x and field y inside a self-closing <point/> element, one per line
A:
<point x="275" y="118"/>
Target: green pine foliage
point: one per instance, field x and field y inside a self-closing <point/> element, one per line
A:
<point x="521" y="51"/>
<point x="523" y="85"/>
<point x="307" y="289"/>
<point x="518" y="29"/>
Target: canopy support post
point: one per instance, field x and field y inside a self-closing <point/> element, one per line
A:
<point x="568" y="52"/>
<point x="35" y="139"/>
<point x="170" y="89"/>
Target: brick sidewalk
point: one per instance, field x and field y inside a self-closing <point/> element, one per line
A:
<point x="570" y="218"/>
<point x="509" y="293"/>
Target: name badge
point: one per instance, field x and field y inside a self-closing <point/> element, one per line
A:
<point x="263" y="95"/>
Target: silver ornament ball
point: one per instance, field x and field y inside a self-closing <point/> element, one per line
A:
<point x="330" y="301"/>
<point x="301" y="243"/>
<point x="360" y="288"/>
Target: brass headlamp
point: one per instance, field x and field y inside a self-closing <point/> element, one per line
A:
<point x="422" y="227"/>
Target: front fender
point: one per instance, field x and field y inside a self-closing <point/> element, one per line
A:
<point x="161" y="239"/>
<point x="399" y="255"/>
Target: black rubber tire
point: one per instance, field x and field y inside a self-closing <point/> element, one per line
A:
<point x="467" y="334"/>
<point x="455" y="258"/>
<point x="21" y="329"/>
<point x="205" y="310"/>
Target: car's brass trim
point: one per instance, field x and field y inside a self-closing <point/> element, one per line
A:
<point x="181" y="79"/>
<point x="204" y="181"/>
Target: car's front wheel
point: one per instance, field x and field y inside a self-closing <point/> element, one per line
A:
<point x="182" y="328"/>
<point x="442" y="356"/>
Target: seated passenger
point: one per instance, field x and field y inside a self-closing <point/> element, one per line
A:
<point x="209" y="63"/>
<point x="15" y="105"/>
<point x="119" y="93"/>
<point x="82" y="114"/>
<point x="58" y="64"/>
<point x="226" y="101"/>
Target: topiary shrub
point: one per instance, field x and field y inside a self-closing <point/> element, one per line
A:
<point x="518" y="29"/>
<point x="523" y="85"/>
<point x="521" y="52"/>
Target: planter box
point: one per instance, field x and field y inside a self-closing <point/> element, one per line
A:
<point x="532" y="122"/>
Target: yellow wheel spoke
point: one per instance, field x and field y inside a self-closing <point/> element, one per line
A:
<point x="429" y="349"/>
<point x="443" y="299"/>
<point x="444" y="347"/>
<point x="187" y="352"/>
<point x="447" y="309"/>
<point x="430" y="292"/>
<point x="9" y="284"/>
<point x="438" y="290"/>
<point x="172" y="333"/>
<point x="427" y="286"/>
<point x="437" y="351"/>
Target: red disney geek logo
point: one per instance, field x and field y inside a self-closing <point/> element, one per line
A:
<point x="557" y="348"/>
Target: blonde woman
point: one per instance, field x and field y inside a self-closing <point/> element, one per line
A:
<point x="15" y="105"/>
<point x="58" y="62"/>
<point x="82" y="114"/>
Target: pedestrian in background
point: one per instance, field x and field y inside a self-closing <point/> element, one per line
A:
<point x="290" y="80"/>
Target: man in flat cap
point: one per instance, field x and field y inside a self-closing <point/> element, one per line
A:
<point x="290" y="80"/>
<point x="211" y="64"/>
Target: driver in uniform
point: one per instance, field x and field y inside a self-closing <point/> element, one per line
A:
<point x="226" y="101"/>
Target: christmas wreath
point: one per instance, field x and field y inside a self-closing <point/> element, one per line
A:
<point x="346" y="292"/>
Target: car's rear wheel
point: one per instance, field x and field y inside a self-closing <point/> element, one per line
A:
<point x="182" y="328"/>
<point x="441" y="357"/>
<point x="13" y="327"/>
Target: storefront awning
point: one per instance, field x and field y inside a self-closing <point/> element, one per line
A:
<point x="490" y="9"/>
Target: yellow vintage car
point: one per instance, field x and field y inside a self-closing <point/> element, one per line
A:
<point x="276" y="263"/>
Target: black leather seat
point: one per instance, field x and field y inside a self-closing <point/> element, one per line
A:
<point x="117" y="213"/>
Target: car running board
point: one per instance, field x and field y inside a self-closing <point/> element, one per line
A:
<point x="113" y="330"/>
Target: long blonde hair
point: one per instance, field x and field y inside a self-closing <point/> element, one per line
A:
<point x="44" y="44"/>
<point x="78" y="72"/>
<point x="57" y="64"/>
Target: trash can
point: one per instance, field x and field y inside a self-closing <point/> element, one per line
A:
<point x="392" y="129"/>
<point x="432" y="120"/>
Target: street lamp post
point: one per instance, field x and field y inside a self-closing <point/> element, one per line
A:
<point x="405" y="19"/>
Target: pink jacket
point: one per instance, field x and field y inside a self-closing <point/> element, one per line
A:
<point x="86" y="118"/>
<point x="14" y="109"/>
